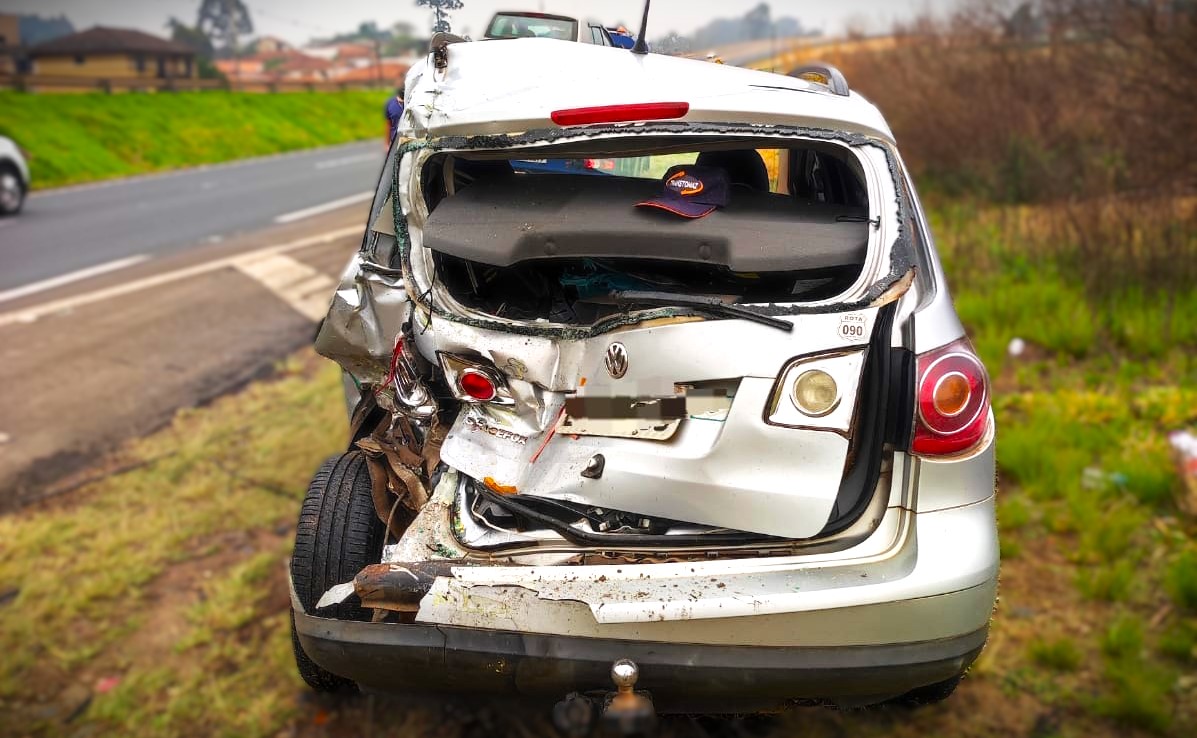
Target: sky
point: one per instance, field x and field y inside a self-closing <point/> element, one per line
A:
<point x="298" y="20"/>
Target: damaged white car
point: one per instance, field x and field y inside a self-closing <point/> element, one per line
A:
<point x="650" y="360"/>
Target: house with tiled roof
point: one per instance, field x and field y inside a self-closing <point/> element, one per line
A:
<point x="113" y="53"/>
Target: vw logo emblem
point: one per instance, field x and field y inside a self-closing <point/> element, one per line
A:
<point x="617" y="360"/>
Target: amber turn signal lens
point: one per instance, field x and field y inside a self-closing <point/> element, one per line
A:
<point x="952" y="393"/>
<point x="815" y="393"/>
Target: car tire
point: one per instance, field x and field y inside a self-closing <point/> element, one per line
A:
<point x="931" y="693"/>
<point x="338" y="534"/>
<point x="12" y="190"/>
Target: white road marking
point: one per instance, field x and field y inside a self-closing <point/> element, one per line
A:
<point x="345" y="161"/>
<point x="318" y="209"/>
<point x="31" y="314"/>
<point x="62" y="279"/>
<point x="296" y="283"/>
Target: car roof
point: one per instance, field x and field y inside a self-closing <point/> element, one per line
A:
<point x="515" y="86"/>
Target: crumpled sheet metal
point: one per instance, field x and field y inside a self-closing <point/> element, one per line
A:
<point x="497" y="446"/>
<point x="644" y="593"/>
<point x="368" y="312"/>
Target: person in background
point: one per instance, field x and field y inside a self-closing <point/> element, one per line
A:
<point x="393" y="112"/>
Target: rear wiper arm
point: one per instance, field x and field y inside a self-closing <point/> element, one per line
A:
<point x="706" y="304"/>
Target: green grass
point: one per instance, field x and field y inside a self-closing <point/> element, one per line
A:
<point x="82" y="138"/>
<point x="1137" y="693"/>
<point x="1123" y="639"/>
<point x="1182" y="580"/>
<point x="1060" y="654"/>
<point x="214" y="503"/>
<point x="1179" y="642"/>
<point x="1088" y="475"/>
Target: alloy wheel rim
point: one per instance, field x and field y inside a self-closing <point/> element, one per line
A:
<point x="10" y="192"/>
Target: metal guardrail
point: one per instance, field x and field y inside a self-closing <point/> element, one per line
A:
<point x="52" y="83"/>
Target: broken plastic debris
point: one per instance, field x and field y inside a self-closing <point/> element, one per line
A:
<point x="503" y="489"/>
<point x="335" y="595"/>
<point x="1184" y="443"/>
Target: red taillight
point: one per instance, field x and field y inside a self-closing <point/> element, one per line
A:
<point x="477" y="385"/>
<point x="952" y="401"/>
<point x="620" y="113"/>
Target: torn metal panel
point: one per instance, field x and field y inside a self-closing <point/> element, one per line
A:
<point x="700" y="475"/>
<point x="368" y="311"/>
<point x="520" y="610"/>
<point x="722" y="590"/>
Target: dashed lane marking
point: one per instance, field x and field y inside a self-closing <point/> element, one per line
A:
<point x="318" y="209"/>
<point x="345" y="161"/>
<point x="29" y="315"/>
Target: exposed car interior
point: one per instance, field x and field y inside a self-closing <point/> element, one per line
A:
<point x="555" y="238"/>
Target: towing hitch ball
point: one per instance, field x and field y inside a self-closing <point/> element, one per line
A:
<point x="626" y="712"/>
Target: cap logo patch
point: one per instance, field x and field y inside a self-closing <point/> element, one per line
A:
<point x="691" y="191"/>
<point x="685" y="185"/>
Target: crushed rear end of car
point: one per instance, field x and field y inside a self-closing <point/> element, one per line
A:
<point x="749" y="450"/>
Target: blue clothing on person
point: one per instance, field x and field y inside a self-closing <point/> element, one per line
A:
<point x="394" y="111"/>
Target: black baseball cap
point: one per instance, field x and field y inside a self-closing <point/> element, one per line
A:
<point x="691" y="191"/>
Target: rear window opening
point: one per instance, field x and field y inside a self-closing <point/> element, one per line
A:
<point x="577" y="291"/>
<point x="532" y="25"/>
<point x="553" y="238"/>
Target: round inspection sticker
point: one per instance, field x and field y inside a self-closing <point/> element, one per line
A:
<point x="852" y="328"/>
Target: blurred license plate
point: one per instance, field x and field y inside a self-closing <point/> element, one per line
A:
<point x="649" y="419"/>
<point x="640" y="408"/>
<point x="645" y="418"/>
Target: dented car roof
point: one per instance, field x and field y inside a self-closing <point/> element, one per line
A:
<point x="514" y="86"/>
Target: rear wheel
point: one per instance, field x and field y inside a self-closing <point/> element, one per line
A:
<point x="12" y="190"/>
<point x="338" y="534"/>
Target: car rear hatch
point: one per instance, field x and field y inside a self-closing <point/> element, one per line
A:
<point x="699" y="426"/>
<point x="613" y="388"/>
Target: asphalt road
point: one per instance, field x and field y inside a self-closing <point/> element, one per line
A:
<point x="219" y="273"/>
<point x="62" y="232"/>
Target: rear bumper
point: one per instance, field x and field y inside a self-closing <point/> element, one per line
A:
<point x="681" y="677"/>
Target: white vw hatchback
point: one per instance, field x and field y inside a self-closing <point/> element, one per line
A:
<point x="649" y="360"/>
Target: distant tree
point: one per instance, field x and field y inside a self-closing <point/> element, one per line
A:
<point x="191" y="37"/>
<point x="224" y="21"/>
<point x="672" y="43"/>
<point x="198" y="42"/>
<point x="757" y="23"/>
<point x="441" y="8"/>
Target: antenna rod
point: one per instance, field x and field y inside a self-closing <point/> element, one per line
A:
<point x="641" y="46"/>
